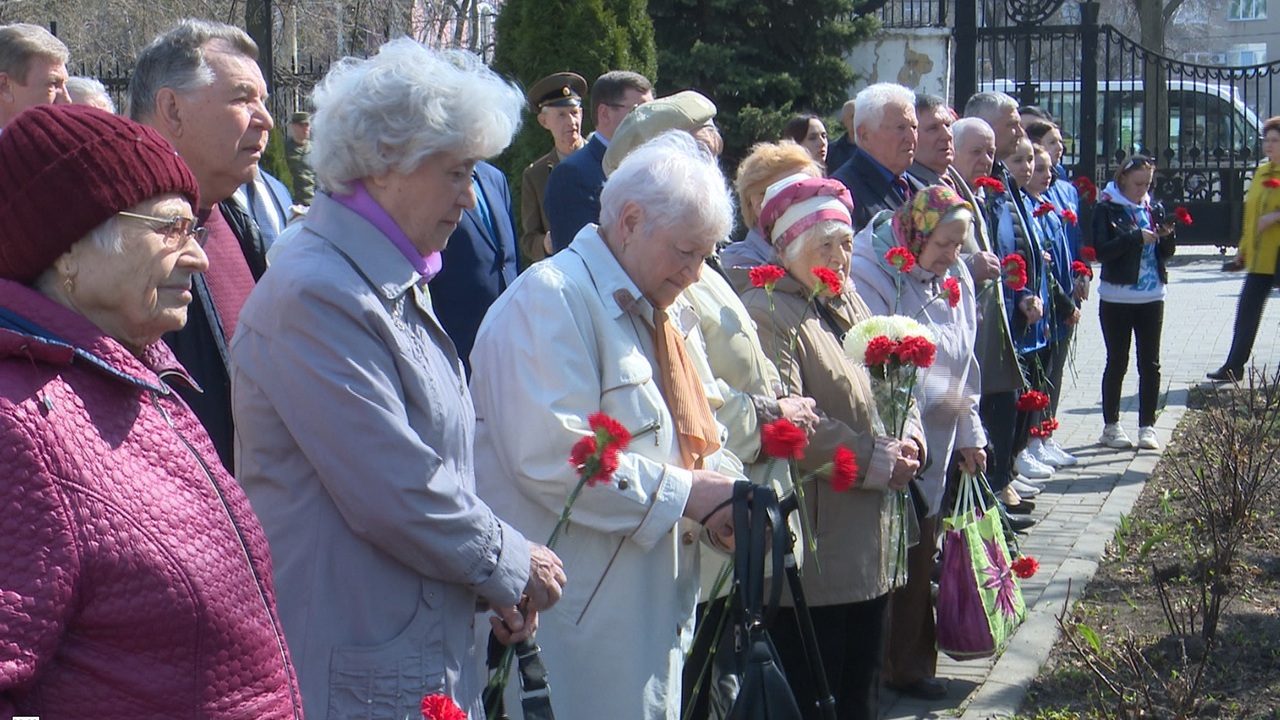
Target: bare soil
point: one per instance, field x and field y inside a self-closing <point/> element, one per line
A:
<point x="1241" y="678"/>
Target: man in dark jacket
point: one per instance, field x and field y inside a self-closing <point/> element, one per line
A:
<point x="876" y="175"/>
<point x="478" y="263"/>
<point x="573" y="190"/>
<point x="200" y="87"/>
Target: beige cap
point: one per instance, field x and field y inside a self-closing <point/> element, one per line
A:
<point x="687" y="110"/>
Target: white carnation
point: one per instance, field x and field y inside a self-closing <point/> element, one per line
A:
<point x="894" y="327"/>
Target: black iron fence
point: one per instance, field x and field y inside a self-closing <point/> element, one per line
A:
<point x="291" y="86"/>
<point x="1113" y="97"/>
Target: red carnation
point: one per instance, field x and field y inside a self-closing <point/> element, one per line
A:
<point x="441" y="707"/>
<point x="1025" y="566"/>
<point x="582" y="451"/>
<point x="1044" y="209"/>
<point x="1086" y="189"/>
<point x="1089" y="254"/>
<point x="951" y="291"/>
<point x="1032" y="400"/>
<point x="1182" y="216"/>
<point x="1080" y="268"/>
<point x="1015" y="271"/>
<point x="1037" y="432"/>
<point x="989" y="183"/>
<point x="783" y="440"/>
<point x="916" y="350"/>
<point x="829" y="278"/>
<point x="1069" y="217"/>
<point x="766" y="275"/>
<point x="615" y="433"/>
<point x="901" y="258"/>
<point x="596" y="455"/>
<point x="1271" y="183"/>
<point x="878" y="351"/>
<point x="1049" y="425"/>
<point x="844" y="469"/>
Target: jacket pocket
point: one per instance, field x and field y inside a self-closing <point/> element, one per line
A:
<point x="389" y="680"/>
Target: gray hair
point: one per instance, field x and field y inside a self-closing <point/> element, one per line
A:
<point x="176" y="60"/>
<point x="820" y="229"/>
<point x="22" y="42"/>
<point x="926" y="102"/>
<point x="989" y="105"/>
<point x="967" y="126"/>
<point x="871" y="101"/>
<point x="109" y="236"/>
<point x="388" y="113"/>
<point x="678" y="184"/>
<point x="88" y="91"/>
<point x="848" y="108"/>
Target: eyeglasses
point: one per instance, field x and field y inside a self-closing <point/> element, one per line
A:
<point x="175" y="229"/>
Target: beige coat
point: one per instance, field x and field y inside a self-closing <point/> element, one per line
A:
<point x="851" y="527"/>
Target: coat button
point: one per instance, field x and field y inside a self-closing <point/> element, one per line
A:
<point x="623" y="484"/>
<point x="687" y="537"/>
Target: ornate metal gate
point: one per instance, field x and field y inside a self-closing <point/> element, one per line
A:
<point x="1114" y="97"/>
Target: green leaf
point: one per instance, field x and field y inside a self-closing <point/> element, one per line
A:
<point x="1090" y="637"/>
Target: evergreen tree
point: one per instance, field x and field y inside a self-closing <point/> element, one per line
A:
<point x="589" y="37"/>
<point x="760" y="61"/>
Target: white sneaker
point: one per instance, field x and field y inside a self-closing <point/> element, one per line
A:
<point x="1113" y="436"/>
<point x="1042" y="455"/>
<point x="1032" y="468"/>
<point x="1026" y="490"/>
<point x="1147" y="439"/>
<point x="1065" y="459"/>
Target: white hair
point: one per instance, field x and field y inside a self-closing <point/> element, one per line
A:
<point x="870" y="102"/>
<point x="109" y="237"/>
<point x="965" y="127"/>
<point x="989" y="105"/>
<point x="88" y="91"/>
<point x="677" y="183"/>
<point x="388" y="113"/>
<point x="818" y="230"/>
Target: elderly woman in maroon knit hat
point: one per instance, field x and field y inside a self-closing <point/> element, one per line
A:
<point x="134" y="578"/>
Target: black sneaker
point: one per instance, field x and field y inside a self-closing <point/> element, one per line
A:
<point x="1225" y="374"/>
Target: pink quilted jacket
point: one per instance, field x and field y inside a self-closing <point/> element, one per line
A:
<point x="134" y="578"/>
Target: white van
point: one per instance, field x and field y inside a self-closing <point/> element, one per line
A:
<point x="1208" y="123"/>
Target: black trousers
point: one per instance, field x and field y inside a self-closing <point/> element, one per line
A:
<point x="1036" y="367"/>
<point x="1121" y="324"/>
<point x="1253" y="299"/>
<point x="998" y="412"/>
<point x="851" y="639"/>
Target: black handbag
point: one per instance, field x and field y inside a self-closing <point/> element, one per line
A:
<point x="762" y="535"/>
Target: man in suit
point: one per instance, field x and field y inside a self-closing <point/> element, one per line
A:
<point x="200" y="87"/>
<point x="876" y="175"/>
<point x="479" y="261"/>
<point x="842" y="148"/>
<point x="573" y="190"/>
<point x="556" y="100"/>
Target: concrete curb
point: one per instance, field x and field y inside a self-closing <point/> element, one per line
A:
<point x="1005" y="689"/>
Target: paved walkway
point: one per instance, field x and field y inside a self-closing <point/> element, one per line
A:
<point x="1080" y="508"/>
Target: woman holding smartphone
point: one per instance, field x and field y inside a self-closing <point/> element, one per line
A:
<point x="1133" y="239"/>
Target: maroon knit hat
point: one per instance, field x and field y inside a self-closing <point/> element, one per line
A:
<point x="65" y="170"/>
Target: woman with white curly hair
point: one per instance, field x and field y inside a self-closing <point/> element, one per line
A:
<point x="805" y="318"/>
<point x="355" y="427"/>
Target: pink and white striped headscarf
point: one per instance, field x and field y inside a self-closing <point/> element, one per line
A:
<point x="798" y="202"/>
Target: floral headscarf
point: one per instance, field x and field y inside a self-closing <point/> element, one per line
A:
<point x="915" y="221"/>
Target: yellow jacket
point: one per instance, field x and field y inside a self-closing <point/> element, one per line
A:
<point x="1259" y="250"/>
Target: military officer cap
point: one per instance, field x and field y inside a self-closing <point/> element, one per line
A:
<point x="564" y="89"/>
<point x="300" y="118"/>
